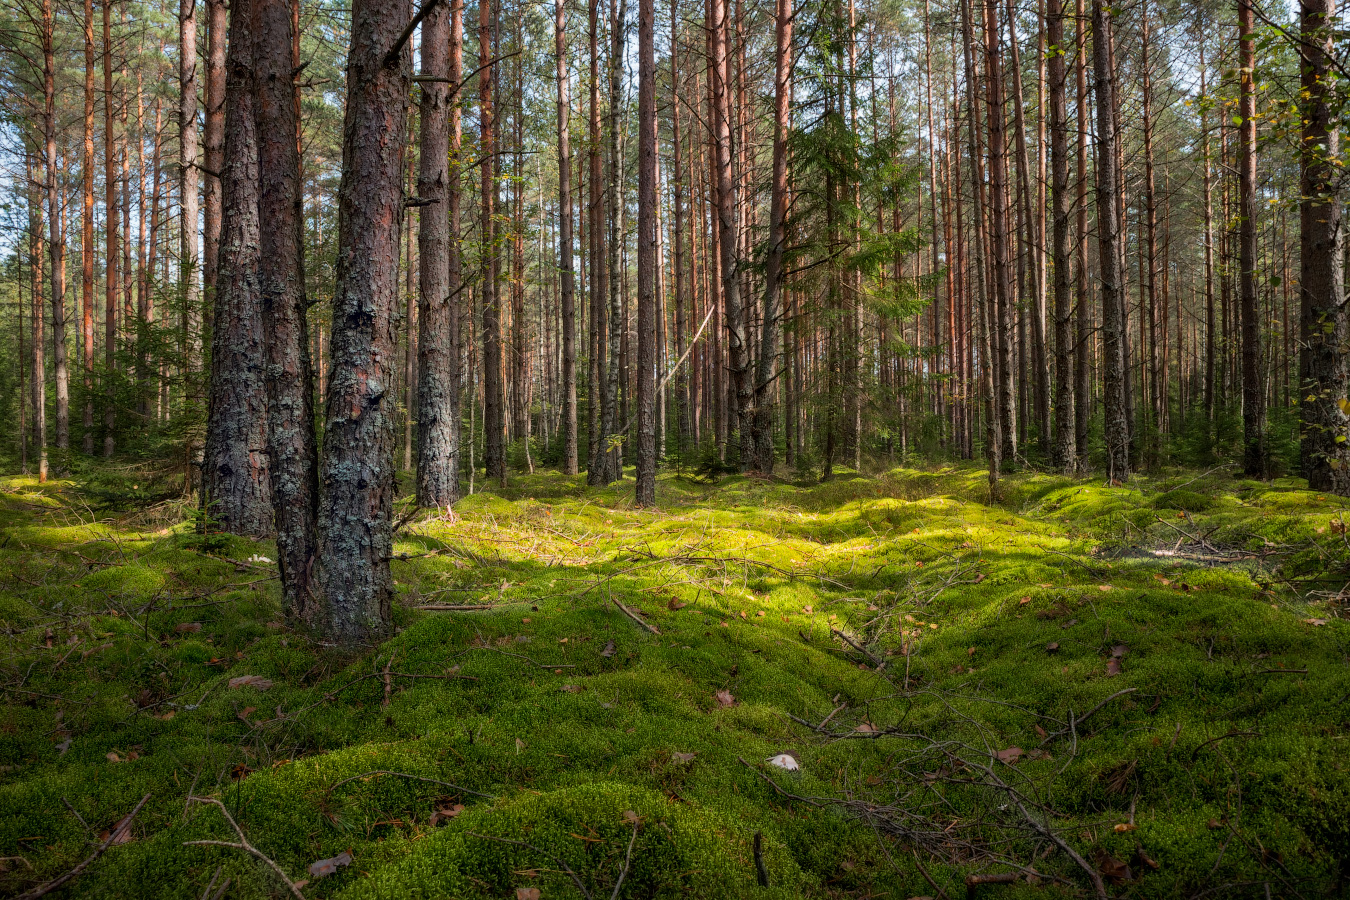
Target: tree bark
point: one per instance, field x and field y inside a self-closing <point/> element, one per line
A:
<point x="647" y="260"/>
<point x="999" y="232"/>
<point x="1065" y="449"/>
<point x="494" y="390"/>
<point x="213" y="145"/>
<point x="188" y="177"/>
<point x="355" y="535"/>
<point x="110" y="232"/>
<point x="56" y="242"/>
<point x="1256" y="452"/>
<point x="37" y="300"/>
<point x="1324" y="331"/>
<point x="436" y="451"/>
<point x="236" y="477"/>
<point x="87" y="232"/>
<point x="565" y="252"/>
<point x="767" y="373"/>
<point x="290" y="425"/>
<point x="1109" y="251"/>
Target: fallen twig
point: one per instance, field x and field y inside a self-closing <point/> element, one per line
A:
<point x="565" y="867"/>
<point x="243" y="844"/>
<point x="634" y="616"/>
<point x="113" y="837"/>
<point x="1223" y="737"/>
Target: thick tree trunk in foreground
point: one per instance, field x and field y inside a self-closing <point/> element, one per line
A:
<point x="435" y="434"/>
<point x="355" y="530"/>
<point x="565" y="255"/>
<point x="647" y="260"/>
<point x="290" y="424"/>
<point x="1324" y="369"/>
<point x="236" y="485"/>
<point x="773" y="271"/>
<point x="1109" y="252"/>
<point x="1256" y="452"/>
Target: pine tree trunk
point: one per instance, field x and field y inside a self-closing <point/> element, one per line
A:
<point x="647" y="260"/>
<point x="236" y="481"/>
<point x="435" y="433"/>
<point x="565" y="251"/>
<point x="87" y="232"/>
<point x="213" y="145"/>
<point x="281" y="284"/>
<point x="1110" y="262"/>
<point x="1082" y="411"/>
<point x="1066" y="453"/>
<point x="188" y="176"/>
<point x="596" y="464"/>
<point x="609" y="418"/>
<point x="494" y="391"/>
<point x="999" y="231"/>
<point x="56" y="243"/>
<point x="1256" y="461"/>
<point x="110" y="233"/>
<point x="767" y="374"/>
<point x="1324" y="377"/>
<point x="37" y="300"/>
<point x="355" y="534"/>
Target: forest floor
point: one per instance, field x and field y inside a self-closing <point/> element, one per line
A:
<point x="1141" y="691"/>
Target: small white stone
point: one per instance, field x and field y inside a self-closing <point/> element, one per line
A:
<point x="785" y="761"/>
<point x="258" y="559"/>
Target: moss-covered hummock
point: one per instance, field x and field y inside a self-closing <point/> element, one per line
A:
<point x="546" y="733"/>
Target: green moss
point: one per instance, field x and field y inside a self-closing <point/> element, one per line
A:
<point x="124" y="642"/>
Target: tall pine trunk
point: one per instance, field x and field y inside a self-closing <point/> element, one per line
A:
<point x="435" y="426"/>
<point x="1324" y="376"/>
<point x="355" y="533"/>
<point x="1256" y="453"/>
<point x="1065" y="449"/>
<point x="236" y="481"/>
<point x="1110" y="263"/>
<point x="647" y="258"/>
<point x="565" y="252"/>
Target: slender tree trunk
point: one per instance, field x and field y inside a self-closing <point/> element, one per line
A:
<point x="188" y="175"/>
<point x="1083" y="305"/>
<point x="110" y="233"/>
<point x="455" y="277"/>
<point x="236" y="477"/>
<point x="727" y="210"/>
<point x="647" y="259"/>
<point x="565" y="253"/>
<point x="1109" y="245"/>
<point x="355" y="535"/>
<point x="1324" y="329"/>
<point x="596" y="464"/>
<point x="1256" y="453"/>
<point x="999" y="231"/>
<point x="290" y="426"/>
<point x="609" y="419"/>
<point x="767" y="373"/>
<point x="435" y="433"/>
<point x="1156" y="372"/>
<point x="494" y="391"/>
<point x="37" y="299"/>
<point x="56" y="243"/>
<point x="213" y="145"/>
<point x="1066" y="452"/>
<point x="1210" y="336"/>
<point x="87" y="232"/>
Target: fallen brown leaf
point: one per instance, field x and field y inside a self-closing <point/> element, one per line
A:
<point x="187" y="627"/>
<point x="676" y="604"/>
<point x="328" y="866"/>
<point x="253" y="681"/>
<point x="724" y="698"/>
<point x="609" y="649"/>
<point x="1010" y="756"/>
